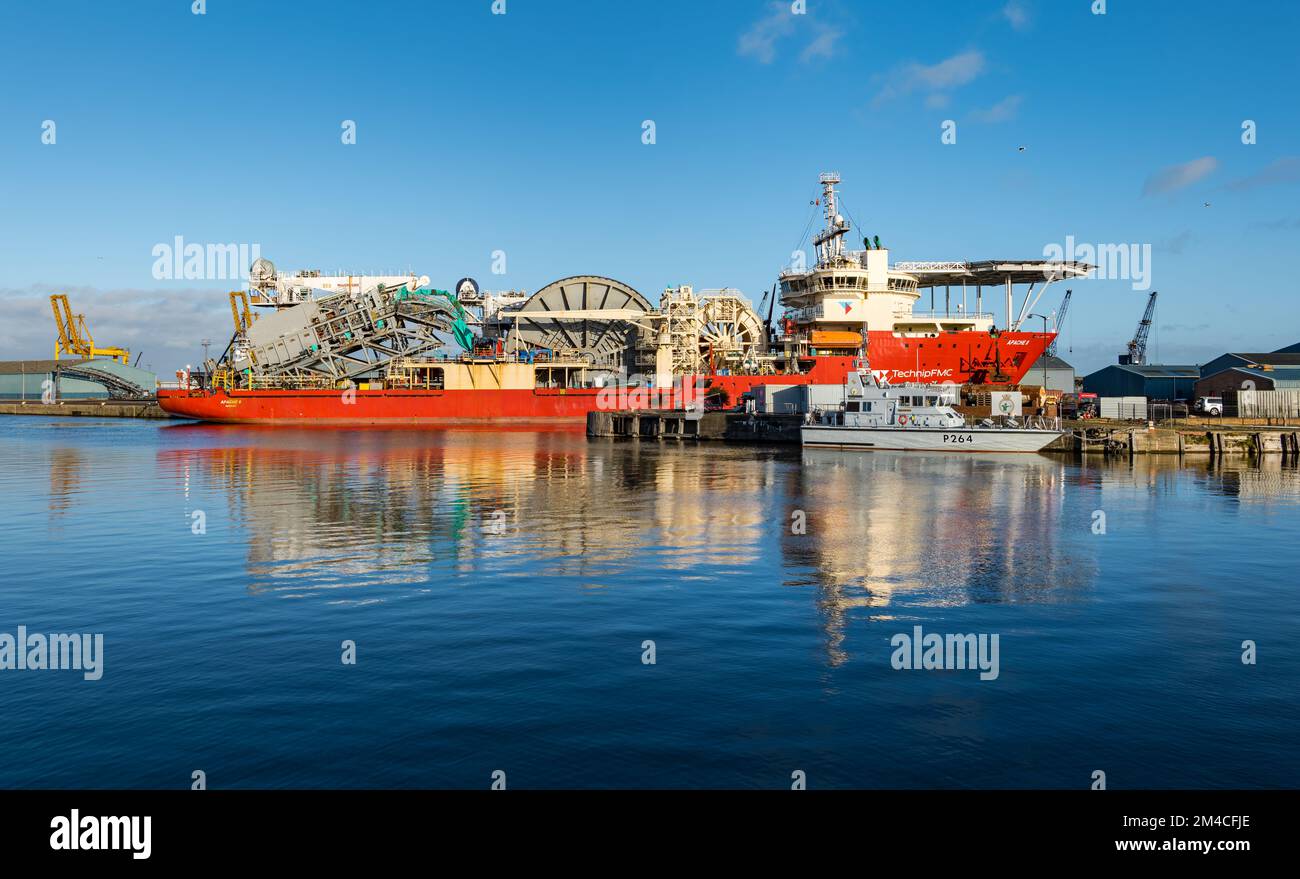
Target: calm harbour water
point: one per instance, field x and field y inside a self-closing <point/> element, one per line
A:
<point x="499" y="586"/>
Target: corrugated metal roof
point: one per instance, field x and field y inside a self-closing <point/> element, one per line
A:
<point x="1277" y="358"/>
<point x="1052" y="362"/>
<point x="14" y="367"/>
<point x="1284" y="377"/>
<point x="1165" y="370"/>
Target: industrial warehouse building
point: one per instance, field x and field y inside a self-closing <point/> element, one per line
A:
<point x="1155" y="382"/>
<point x="1262" y="378"/>
<point x="1052" y="373"/>
<point x="1276" y="371"/>
<point x="1286" y="358"/>
<point x="1255" y="385"/>
<point x="75" y="379"/>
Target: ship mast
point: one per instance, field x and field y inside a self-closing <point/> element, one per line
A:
<point x="830" y="241"/>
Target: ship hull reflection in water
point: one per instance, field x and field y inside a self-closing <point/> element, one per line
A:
<point x="935" y="530"/>
<point x="359" y="514"/>
<point x="369" y="508"/>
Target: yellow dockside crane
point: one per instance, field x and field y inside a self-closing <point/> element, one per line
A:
<point x="74" y="339"/>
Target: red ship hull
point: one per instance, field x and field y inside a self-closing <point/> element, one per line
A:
<point x="967" y="357"/>
<point x="959" y="357"/>
<point x="380" y="407"/>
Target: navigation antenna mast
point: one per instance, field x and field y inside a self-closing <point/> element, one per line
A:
<point x="830" y="241"/>
<point x="1137" y="348"/>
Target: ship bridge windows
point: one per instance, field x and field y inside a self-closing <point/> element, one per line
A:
<point x="560" y="377"/>
<point x="418" y="376"/>
<point x="847" y="282"/>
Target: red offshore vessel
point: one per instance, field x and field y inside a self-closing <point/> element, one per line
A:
<point x="852" y="303"/>
<point x="464" y="390"/>
<point x="361" y="350"/>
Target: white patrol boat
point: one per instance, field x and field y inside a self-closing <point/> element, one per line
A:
<point x="916" y="417"/>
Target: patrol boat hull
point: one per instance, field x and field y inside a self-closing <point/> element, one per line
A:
<point x="923" y="439"/>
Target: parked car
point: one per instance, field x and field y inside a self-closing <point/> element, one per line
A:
<point x="1210" y="406"/>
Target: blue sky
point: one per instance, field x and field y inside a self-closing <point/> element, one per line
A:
<point x="523" y="133"/>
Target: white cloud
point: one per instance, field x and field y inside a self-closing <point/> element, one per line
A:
<point x="1283" y="170"/>
<point x="761" y="40"/>
<point x="1002" y="111"/>
<point x="165" y="325"/>
<point x="823" y="45"/>
<point x="947" y="74"/>
<point x="1016" y="13"/>
<point x="1177" y="177"/>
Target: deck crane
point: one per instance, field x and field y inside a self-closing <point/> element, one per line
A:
<point x="74" y="339"/>
<point x="240" y="311"/>
<point x="1059" y="322"/>
<point x="1137" y="347"/>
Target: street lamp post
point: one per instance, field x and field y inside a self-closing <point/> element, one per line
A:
<point x="1044" y="358"/>
<point x="1044" y="317"/>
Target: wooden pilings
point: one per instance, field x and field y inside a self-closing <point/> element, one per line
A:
<point x="1271" y="442"/>
<point x="656" y="425"/>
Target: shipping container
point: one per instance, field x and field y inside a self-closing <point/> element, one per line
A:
<point x="1124" y="408"/>
<point x="1268" y="404"/>
<point x="778" y="398"/>
<point x="821" y="398"/>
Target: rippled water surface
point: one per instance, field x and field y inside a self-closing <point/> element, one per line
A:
<point x="499" y="587"/>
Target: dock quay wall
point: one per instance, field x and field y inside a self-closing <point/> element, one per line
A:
<point x="1084" y="437"/>
<point x="85" y="408"/>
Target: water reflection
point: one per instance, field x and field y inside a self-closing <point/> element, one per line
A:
<point x="330" y="509"/>
<point x="938" y="530"/>
<point x="66" y="473"/>
<point x="339" y="509"/>
<point x="1266" y="479"/>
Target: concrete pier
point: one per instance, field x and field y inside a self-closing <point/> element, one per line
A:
<point x="85" y="408"/>
<point x="1182" y="442"/>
